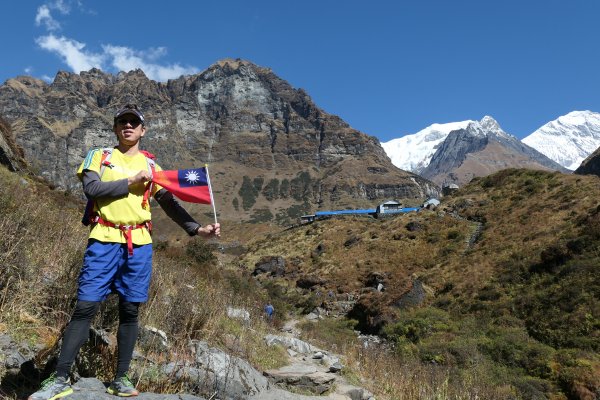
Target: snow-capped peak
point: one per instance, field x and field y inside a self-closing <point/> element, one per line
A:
<point x="490" y="124"/>
<point x="414" y="152"/>
<point x="569" y="139"/>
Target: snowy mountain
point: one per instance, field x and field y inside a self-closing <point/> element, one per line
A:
<point x="413" y="152"/>
<point x="569" y="139"/>
<point x="480" y="149"/>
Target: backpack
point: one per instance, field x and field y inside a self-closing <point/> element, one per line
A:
<point x="89" y="215"/>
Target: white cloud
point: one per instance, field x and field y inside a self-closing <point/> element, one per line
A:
<point x="116" y="58"/>
<point x="28" y="70"/>
<point x="44" y="17"/>
<point x="111" y="58"/>
<point x="154" y="53"/>
<point x="72" y="52"/>
<point x="127" y="59"/>
<point x="61" y="6"/>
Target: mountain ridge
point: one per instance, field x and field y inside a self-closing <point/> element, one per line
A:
<point x="274" y="153"/>
<point x="480" y="149"/>
<point x="568" y="140"/>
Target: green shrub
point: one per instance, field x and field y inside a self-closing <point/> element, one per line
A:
<point x="271" y="190"/>
<point x="416" y="325"/>
<point x="261" y="215"/>
<point x="257" y="183"/>
<point x="336" y="333"/>
<point x="512" y="347"/>
<point x="284" y="189"/>
<point x="300" y="186"/>
<point x="248" y="193"/>
<point x="201" y="252"/>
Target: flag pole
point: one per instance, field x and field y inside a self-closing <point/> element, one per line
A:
<point x="212" y="200"/>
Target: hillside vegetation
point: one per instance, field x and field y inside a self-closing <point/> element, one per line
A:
<point x="500" y="282"/>
<point x="41" y="249"/>
<point x="494" y="295"/>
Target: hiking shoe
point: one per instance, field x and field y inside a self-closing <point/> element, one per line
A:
<point x="122" y="387"/>
<point x="55" y="387"/>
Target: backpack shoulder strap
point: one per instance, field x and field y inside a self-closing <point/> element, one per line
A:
<point x="152" y="169"/>
<point x="106" y="155"/>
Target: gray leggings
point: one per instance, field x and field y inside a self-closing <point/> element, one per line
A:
<point x="77" y="333"/>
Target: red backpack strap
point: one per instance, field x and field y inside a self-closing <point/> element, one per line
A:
<point x="151" y="168"/>
<point x="148" y="154"/>
<point x="105" y="160"/>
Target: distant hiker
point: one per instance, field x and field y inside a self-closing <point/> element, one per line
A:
<point x="269" y="310"/>
<point x="118" y="257"/>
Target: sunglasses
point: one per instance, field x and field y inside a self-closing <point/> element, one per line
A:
<point x="134" y="122"/>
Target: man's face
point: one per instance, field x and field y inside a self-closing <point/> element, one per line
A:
<point x="129" y="129"/>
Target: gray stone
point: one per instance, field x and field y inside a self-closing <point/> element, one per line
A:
<point x="291" y="343"/>
<point x="14" y="359"/>
<point x="153" y="339"/>
<point x="238" y="313"/>
<point x="335" y="367"/>
<point x="312" y="316"/>
<point x="355" y="392"/>
<point x="231" y="377"/>
<point x="93" y="389"/>
<point x="302" y="377"/>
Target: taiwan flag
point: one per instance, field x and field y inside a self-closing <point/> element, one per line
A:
<point x="191" y="185"/>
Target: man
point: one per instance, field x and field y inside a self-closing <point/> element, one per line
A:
<point x="269" y="310"/>
<point x="118" y="257"/>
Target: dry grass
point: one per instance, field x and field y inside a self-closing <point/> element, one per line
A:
<point x="41" y="248"/>
<point x="537" y="250"/>
<point x="531" y="267"/>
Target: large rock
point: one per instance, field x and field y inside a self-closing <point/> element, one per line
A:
<point x="10" y="154"/>
<point x="93" y="389"/>
<point x="302" y="377"/>
<point x="591" y="165"/>
<point x="299" y="346"/>
<point x="230" y="377"/>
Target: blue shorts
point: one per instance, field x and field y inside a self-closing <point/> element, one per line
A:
<point x="108" y="268"/>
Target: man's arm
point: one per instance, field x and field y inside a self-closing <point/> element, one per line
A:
<point x="93" y="187"/>
<point x="176" y="212"/>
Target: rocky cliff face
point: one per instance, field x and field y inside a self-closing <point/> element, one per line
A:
<point x="272" y="152"/>
<point x="591" y="165"/>
<point x="481" y="149"/>
<point x="10" y="154"/>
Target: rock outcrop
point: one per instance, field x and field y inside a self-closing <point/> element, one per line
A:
<point x="10" y="154"/>
<point x="591" y="165"/>
<point x="211" y="370"/>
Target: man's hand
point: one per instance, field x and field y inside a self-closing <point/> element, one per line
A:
<point x="140" y="177"/>
<point x="209" y="230"/>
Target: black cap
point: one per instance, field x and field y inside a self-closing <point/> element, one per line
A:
<point x="130" y="109"/>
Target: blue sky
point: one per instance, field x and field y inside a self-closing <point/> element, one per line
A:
<point x="388" y="68"/>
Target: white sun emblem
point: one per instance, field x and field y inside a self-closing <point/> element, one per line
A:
<point x="192" y="176"/>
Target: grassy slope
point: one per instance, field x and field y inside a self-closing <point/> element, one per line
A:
<point x="513" y="315"/>
<point x="41" y="248"/>
<point x="522" y="302"/>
